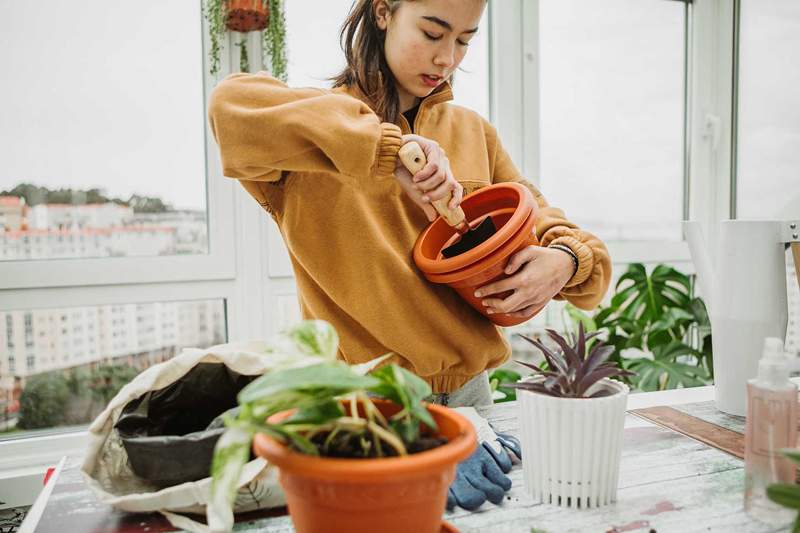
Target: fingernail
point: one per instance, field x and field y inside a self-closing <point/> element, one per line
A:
<point x="478" y="294"/>
<point x="489" y="312"/>
<point x="425" y="199"/>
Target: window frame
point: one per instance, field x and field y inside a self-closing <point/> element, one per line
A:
<point x="708" y="75"/>
<point x="217" y="264"/>
<point x="235" y="271"/>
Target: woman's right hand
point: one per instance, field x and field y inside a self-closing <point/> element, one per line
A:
<point x="433" y="182"/>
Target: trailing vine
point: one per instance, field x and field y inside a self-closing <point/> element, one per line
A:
<point x="273" y="40"/>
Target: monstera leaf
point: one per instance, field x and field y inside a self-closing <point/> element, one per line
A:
<point x="658" y="314"/>
<point x="665" y="371"/>
<point x="647" y="296"/>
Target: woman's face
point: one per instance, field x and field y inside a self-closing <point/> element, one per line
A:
<point x="426" y="41"/>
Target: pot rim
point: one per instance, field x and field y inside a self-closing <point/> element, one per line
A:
<point x="454" y="451"/>
<point x="621" y="388"/>
<point x="526" y="207"/>
<point x="497" y="256"/>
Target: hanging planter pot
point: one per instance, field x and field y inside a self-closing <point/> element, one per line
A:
<point x="242" y="16"/>
<point x="513" y="211"/>
<point x="246" y="15"/>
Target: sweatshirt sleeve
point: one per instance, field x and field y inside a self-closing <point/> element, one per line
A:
<point x="264" y="128"/>
<point x="590" y="282"/>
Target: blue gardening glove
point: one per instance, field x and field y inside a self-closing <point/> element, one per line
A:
<point x="482" y="476"/>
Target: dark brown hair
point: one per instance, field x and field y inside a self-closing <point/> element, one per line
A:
<point x="362" y="41"/>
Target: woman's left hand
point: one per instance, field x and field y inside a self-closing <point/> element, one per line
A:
<point x="539" y="273"/>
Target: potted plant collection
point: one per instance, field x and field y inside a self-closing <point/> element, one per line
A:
<point x="265" y="16"/>
<point x="356" y="447"/>
<point x="571" y="417"/>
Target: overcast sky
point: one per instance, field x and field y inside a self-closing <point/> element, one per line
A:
<point x="113" y="99"/>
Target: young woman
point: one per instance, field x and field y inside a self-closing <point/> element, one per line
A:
<point x="324" y="164"/>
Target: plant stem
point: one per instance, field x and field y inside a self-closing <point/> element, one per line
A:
<point x="389" y="437"/>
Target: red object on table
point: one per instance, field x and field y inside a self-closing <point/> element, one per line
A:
<point x="48" y="474"/>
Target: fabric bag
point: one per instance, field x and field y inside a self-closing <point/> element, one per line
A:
<point x="107" y="467"/>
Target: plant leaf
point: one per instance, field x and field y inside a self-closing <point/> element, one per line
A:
<point x="573" y="360"/>
<point x="334" y="376"/>
<point x="784" y="494"/>
<point x="555" y="361"/>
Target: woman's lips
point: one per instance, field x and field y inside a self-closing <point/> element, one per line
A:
<point x="430" y="81"/>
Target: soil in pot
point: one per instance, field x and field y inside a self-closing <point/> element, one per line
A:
<point x="349" y="445"/>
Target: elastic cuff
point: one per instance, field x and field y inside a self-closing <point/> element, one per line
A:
<point x="388" y="146"/>
<point x="584" y="255"/>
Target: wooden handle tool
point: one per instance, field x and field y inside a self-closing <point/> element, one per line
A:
<point x="414" y="159"/>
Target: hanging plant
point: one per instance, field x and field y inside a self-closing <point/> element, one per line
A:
<point x="266" y="16"/>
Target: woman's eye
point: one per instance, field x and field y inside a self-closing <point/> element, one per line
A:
<point x="433" y="37"/>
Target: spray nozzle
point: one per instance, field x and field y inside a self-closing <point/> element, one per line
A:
<point x="775" y="364"/>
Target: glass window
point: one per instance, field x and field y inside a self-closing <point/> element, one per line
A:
<point x="107" y="158"/>
<point x="313" y="61"/>
<point x="612" y="83"/>
<point x="768" y="137"/>
<point x="768" y="182"/>
<point x="59" y="384"/>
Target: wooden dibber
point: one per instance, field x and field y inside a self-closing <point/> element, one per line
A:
<point x="414" y="159"/>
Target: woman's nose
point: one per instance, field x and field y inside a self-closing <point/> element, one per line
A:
<point x="445" y="55"/>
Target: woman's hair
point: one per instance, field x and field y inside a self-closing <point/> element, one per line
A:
<point x="362" y="41"/>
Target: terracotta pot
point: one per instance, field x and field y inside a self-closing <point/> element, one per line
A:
<point x="246" y="15"/>
<point x="513" y="211"/>
<point x="390" y="495"/>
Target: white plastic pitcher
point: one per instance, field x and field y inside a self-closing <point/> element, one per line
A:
<point x="743" y="281"/>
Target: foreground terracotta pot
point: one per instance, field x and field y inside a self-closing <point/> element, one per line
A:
<point x="389" y="495"/>
<point x="513" y="211"/>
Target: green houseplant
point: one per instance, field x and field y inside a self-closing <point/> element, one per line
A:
<point x="572" y="409"/>
<point x="658" y="317"/>
<point x="785" y="494"/>
<point x="266" y="16"/>
<point x="337" y="432"/>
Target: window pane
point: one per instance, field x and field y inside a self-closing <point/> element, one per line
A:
<point x="313" y="61"/>
<point x="59" y="367"/>
<point x="768" y="178"/>
<point x="612" y="76"/>
<point x="106" y="130"/>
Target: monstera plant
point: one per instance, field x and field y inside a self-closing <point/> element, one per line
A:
<point x="657" y="326"/>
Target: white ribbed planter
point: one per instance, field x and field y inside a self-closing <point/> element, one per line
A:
<point x="572" y="446"/>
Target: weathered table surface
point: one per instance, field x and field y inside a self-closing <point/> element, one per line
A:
<point x="668" y="482"/>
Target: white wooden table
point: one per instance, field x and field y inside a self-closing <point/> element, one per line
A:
<point x="668" y="483"/>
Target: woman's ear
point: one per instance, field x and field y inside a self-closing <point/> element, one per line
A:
<point x="382" y="13"/>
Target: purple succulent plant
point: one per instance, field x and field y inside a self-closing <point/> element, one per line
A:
<point x="570" y="372"/>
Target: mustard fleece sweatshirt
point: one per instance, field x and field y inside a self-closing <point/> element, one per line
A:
<point x="321" y="163"/>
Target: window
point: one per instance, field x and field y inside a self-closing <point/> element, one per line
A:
<point x="163" y="58"/>
<point x="612" y="111"/>
<point x="135" y="183"/>
<point x="767" y="182"/>
<point x="143" y="199"/>
<point x="64" y="380"/>
<point x="767" y="179"/>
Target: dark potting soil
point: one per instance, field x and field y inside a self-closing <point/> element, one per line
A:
<point x="349" y="445"/>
